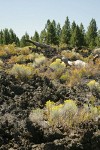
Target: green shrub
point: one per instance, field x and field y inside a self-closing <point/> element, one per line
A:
<point x="25" y="51"/>
<point x="3" y="54"/>
<point x="71" y="55"/>
<point x="39" y="60"/>
<point x="30" y="57"/>
<point x="66" y="115"/>
<point x="22" y="72"/>
<point x="10" y="49"/>
<point x="63" y="46"/>
<point x="58" y="67"/>
<point x="65" y="77"/>
<point x="93" y="85"/>
<point x="87" y="113"/>
<point x="22" y="58"/>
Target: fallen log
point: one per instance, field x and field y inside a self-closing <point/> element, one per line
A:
<point x="37" y="44"/>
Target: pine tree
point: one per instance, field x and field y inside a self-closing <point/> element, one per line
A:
<point x="82" y="35"/>
<point x="22" y="41"/>
<point x="72" y="33"/>
<point x="43" y="36"/>
<point x="1" y="37"/>
<point x="75" y="37"/>
<point x="36" y="36"/>
<point x="12" y="36"/>
<point x="58" y="32"/>
<point x="6" y="36"/>
<point x="47" y="24"/>
<point x="98" y="39"/>
<point x="17" y="41"/>
<point x="91" y="34"/>
<point x="73" y="26"/>
<point x="65" y="35"/>
<point x="54" y="24"/>
<point x="51" y="34"/>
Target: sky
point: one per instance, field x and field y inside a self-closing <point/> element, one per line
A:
<point x="31" y="15"/>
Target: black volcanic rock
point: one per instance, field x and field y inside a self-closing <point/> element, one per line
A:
<point x="17" y="99"/>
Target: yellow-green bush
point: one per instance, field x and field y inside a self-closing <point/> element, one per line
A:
<point x="93" y="85"/>
<point x="71" y="55"/>
<point x="87" y="113"/>
<point x="58" y="67"/>
<point x="25" y="51"/>
<point x="30" y="57"/>
<point x="63" y="46"/>
<point x="3" y="54"/>
<point x="61" y="114"/>
<point x="22" y="71"/>
<point x="92" y="70"/>
<point x="65" y="76"/>
<point x="67" y="114"/>
<point x="39" y="60"/>
<point x="21" y="58"/>
<point x="74" y="75"/>
<point x="17" y="59"/>
<point x="10" y="49"/>
<point x="13" y="59"/>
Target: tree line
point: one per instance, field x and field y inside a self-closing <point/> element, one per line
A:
<point x="72" y="35"/>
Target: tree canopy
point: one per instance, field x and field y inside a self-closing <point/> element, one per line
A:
<point x="70" y="34"/>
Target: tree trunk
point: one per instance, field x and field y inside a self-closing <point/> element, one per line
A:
<point x="37" y="44"/>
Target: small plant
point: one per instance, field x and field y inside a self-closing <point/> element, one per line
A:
<point x="87" y="113"/>
<point x="25" y="51"/>
<point x="71" y="55"/>
<point x="93" y="85"/>
<point x="22" y="72"/>
<point x="65" y="77"/>
<point x="21" y="58"/>
<point x="68" y="112"/>
<point x="10" y="49"/>
<point x="66" y="115"/>
<point x="13" y="59"/>
<point x="30" y="57"/>
<point x="39" y="60"/>
<point x="92" y="100"/>
<point x="75" y="77"/>
<point x="18" y="59"/>
<point x="63" y="46"/>
<point x="3" y="54"/>
<point x="58" y="67"/>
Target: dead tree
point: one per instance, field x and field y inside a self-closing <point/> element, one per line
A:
<point x="37" y="44"/>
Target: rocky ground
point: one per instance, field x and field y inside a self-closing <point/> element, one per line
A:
<point x="17" y="132"/>
<point x="18" y="98"/>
